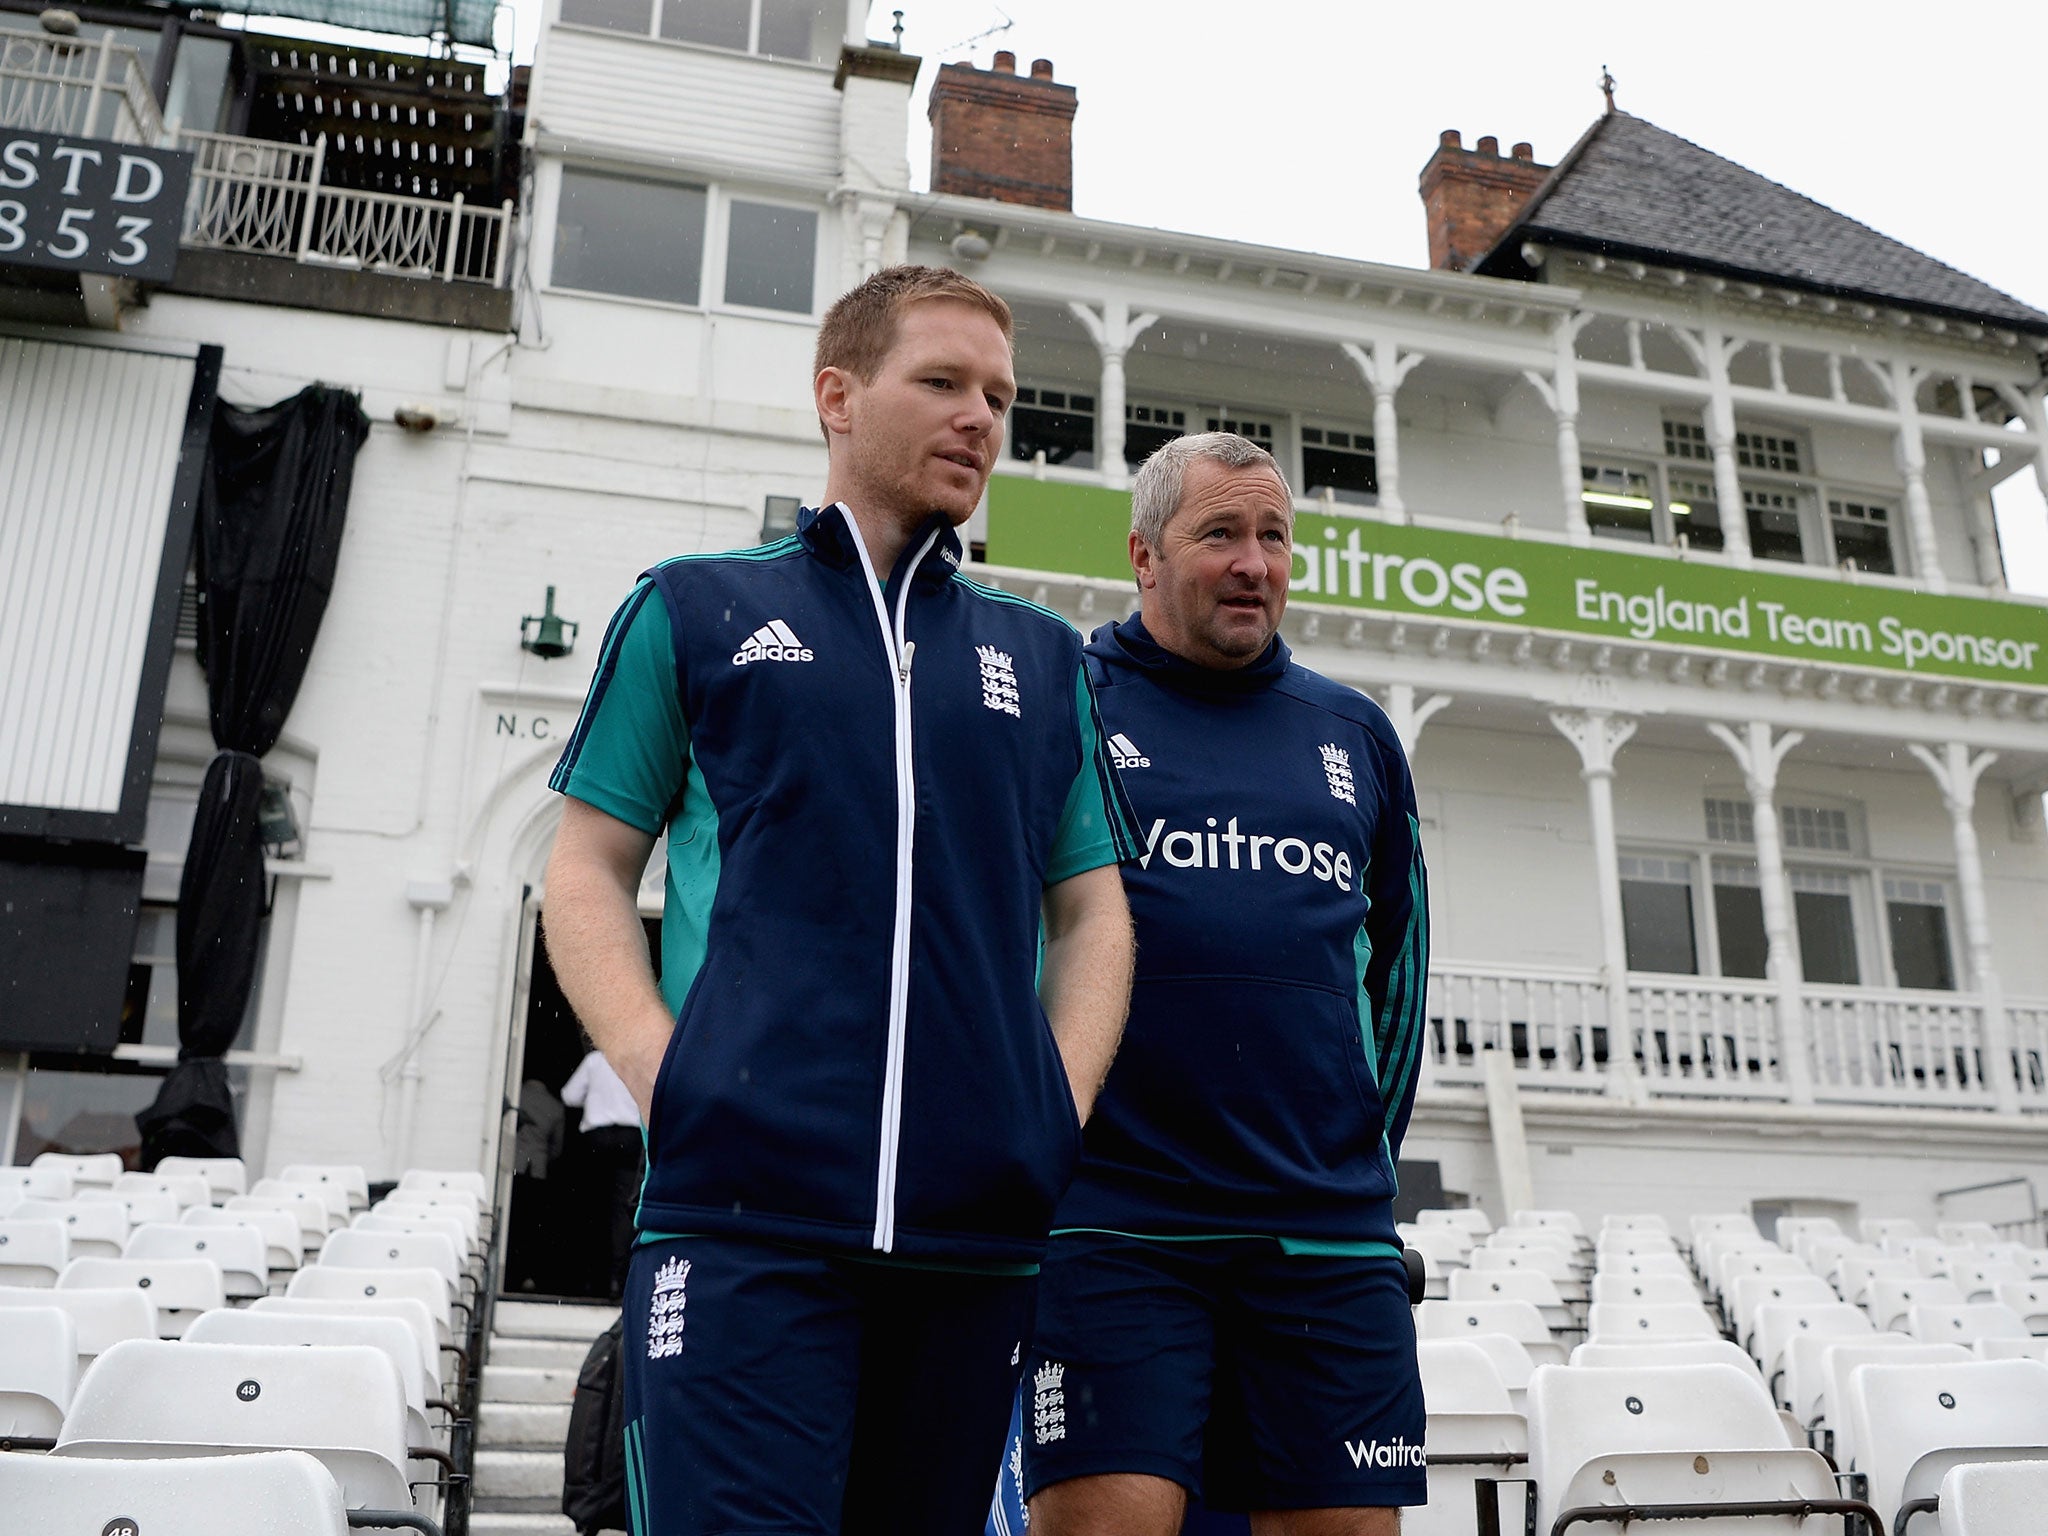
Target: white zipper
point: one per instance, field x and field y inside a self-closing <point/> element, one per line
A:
<point x="900" y="652"/>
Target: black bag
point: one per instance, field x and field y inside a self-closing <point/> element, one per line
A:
<point x="594" y="1457"/>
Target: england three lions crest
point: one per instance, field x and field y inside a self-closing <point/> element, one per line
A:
<point x="665" y="1315"/>
<point x="1049" y="1404"/>
<point x="1337" y="770"/>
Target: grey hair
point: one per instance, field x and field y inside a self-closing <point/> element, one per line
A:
<point x="1156" y="493"/>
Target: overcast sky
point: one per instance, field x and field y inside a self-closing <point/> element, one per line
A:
<point x="1304" y="123"/>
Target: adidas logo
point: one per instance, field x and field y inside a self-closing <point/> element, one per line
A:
<point x="1125" y="754"/>
<point x="773" y="641"/>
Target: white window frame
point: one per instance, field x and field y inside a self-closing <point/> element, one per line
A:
<point x="1327" y="425"/>
<point x="718" y="242"/>
<point x="1702" y="916"/>
<point x="1888" y="875"/>
<point x="652" y="34"/>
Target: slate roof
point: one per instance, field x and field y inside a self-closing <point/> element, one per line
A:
<point x="1631" y="190"/>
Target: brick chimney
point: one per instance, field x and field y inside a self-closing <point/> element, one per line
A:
<point x="998" y="135"/>
<point x="1470" y="195"/>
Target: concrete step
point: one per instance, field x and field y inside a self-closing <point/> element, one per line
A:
<point x="550" y="1354"/>
<point x="505" y="1383"/>
<point x="522" y="1523"/>
<point x="523" y="1424"/>
<point x="502" y="1474"/>
<point x="552" y="1319"/>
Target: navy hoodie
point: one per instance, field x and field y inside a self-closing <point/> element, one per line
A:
<point x="1268" y="1069"/>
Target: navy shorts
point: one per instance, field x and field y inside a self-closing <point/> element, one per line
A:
<point x="1253" y="1378"/>
<point x="779" y="1389"/>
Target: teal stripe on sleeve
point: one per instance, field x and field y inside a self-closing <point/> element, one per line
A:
<point x="1097" y="825"/>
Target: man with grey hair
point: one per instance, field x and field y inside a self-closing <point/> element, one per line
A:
<point x="1224" y="1311"/>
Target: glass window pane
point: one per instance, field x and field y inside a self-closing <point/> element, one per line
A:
<point x="199" y="83"/>
<point x="1774" y="525"/>
<point x="801" y="29"/>
<point x="1618" y="503"/>
<point x="720" y="23"/>
<point x="1064" y="436"/>
<point x="1348" y="476"/>
<point x="1696" y="513"/>
<point x="1920" y="945"/>
<point x="1739" y="915"/>
<point x="1865" y="545"/>
<point x="1656" y="918"/>
<point x="614" y="15"/>
<point x="769" y="256"/>
<point x="1142" y="441"/>
<point x="621" y="234"/>
<point x="1827" y="937"/>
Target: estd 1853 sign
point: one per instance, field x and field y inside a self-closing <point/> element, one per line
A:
<point x="91" y="205"/>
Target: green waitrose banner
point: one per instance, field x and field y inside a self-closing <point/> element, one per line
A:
<point x="1348" y="562"/>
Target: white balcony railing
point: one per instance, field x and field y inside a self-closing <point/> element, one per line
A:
<point x="1878" y="1047"/>
<point x="1719" y="1038"/>
<point x="269" y="199"/>
<point x="1553" y="1023"/>
<point x="1714" y="1038"/>
<point x="92" y="88"/>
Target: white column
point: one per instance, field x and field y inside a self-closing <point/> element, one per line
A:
<point x="1113" y="329"/>
<point x="1598" y="736"/>
<point x="17" y="1101"/>
<point x="1759" y="757"/>
<point x="1560" y="391"/>
<point x="1957" y="772"/>
<point x="1409" y="715"/>
<point x="1715" y="351"/>
<point x="1511" y="1158"/>
<point x="1904" y="381"/>
<point x="1383" y="369"/>
<point x="428" y="898"/>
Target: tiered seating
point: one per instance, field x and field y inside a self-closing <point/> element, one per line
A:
<point x="157" y="1322"/>
<point x="1914" y="1423"/>
<point x="1743" y="1352"/>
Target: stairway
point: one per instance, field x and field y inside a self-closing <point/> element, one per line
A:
<point x="530" y="1367"/>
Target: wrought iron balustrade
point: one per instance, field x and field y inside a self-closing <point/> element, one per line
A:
<point x="269" y="199"/>
<point x="92" y="88"/>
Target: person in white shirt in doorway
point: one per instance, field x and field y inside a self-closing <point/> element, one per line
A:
<point x="614" y="1150"/>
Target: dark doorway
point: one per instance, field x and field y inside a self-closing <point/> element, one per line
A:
<point x="558" y="1241"/>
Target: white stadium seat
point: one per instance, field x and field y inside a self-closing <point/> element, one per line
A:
<point x="1539" y="1290"/>
<point x="1972" y="1232"/>
<point x="1857" y="1271"/>
<point x="279" y="1231"/>
<point x="1541" y="1257"/>
<point x="1661" y="1437"/>
<point x="1779" y="1324"/>
<point x="1731" y="1221"/>
<point x="1915" y="1422"/>
<point x="1447" y="1245"/>
<point x="353" y="1248"/>
<point x="2030" y="1300"/>
<point x="1640" y="1289"/>
<point x="1850" y="1356"/>
<point x="1614" y="1322"/>
<point x="225" y="1177"/>
<point x="1517" y="1320"/>
<point x="387" y="1334"/>
<point x="100" y="1319"/>
<point x="2011" y="1349"/>
<point x="34" y="1183"/>
<point x="446" y="1207"/>
<point x="1882" y="1229"/>
<point x="1637" y="1223"/>
<point x="238" y="1251"/>
<point x="1750" y="1263"/>
<point x="350" y="1176"/>
<point x="186" y="1188"/>
<point x="1979" y="1278"/>
<point x="140" y="1204"/>
<point x="96" y="1228"/>
<point x="1631" y="1264"/>
<point x="308" y="1210"/>
<point x="254" y="1495"/>
<point x="438" y="1179"/>
<point x="38" y="1368"/>
<point x="419" y="1221"/>
<point x="32" y="1252"/>
<point x="1965" y="1323"/>
<point x="332" y="1197"/>
<point x="329" y="1281"/>
<point x="1654" y="1354"/>
<point x="1993" y="1498"/>
<point x="1749" y="1294"/>
<point x="181" y="1288"/>
<point x="1469" y="1219"/>
<point x="1621" y="1240"/>
<point x="1806" y="1368"/>
<point x="408" y="1310"/>
<point x="1891" y="1300"/>
<point x="98" y="1169"/>
<point x="1791" y="1228"/>
<point x="1470" y="1417"/>
<point x="1534" y="1237"/>
<point x="343" y="1403"/>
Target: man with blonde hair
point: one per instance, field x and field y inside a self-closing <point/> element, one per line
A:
<point x="877" y="780"/>
<point x="1224" y="1310"/>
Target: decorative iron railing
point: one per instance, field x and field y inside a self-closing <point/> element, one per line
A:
<point x="95" y="88"/>
<point x="254" y="195"/>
